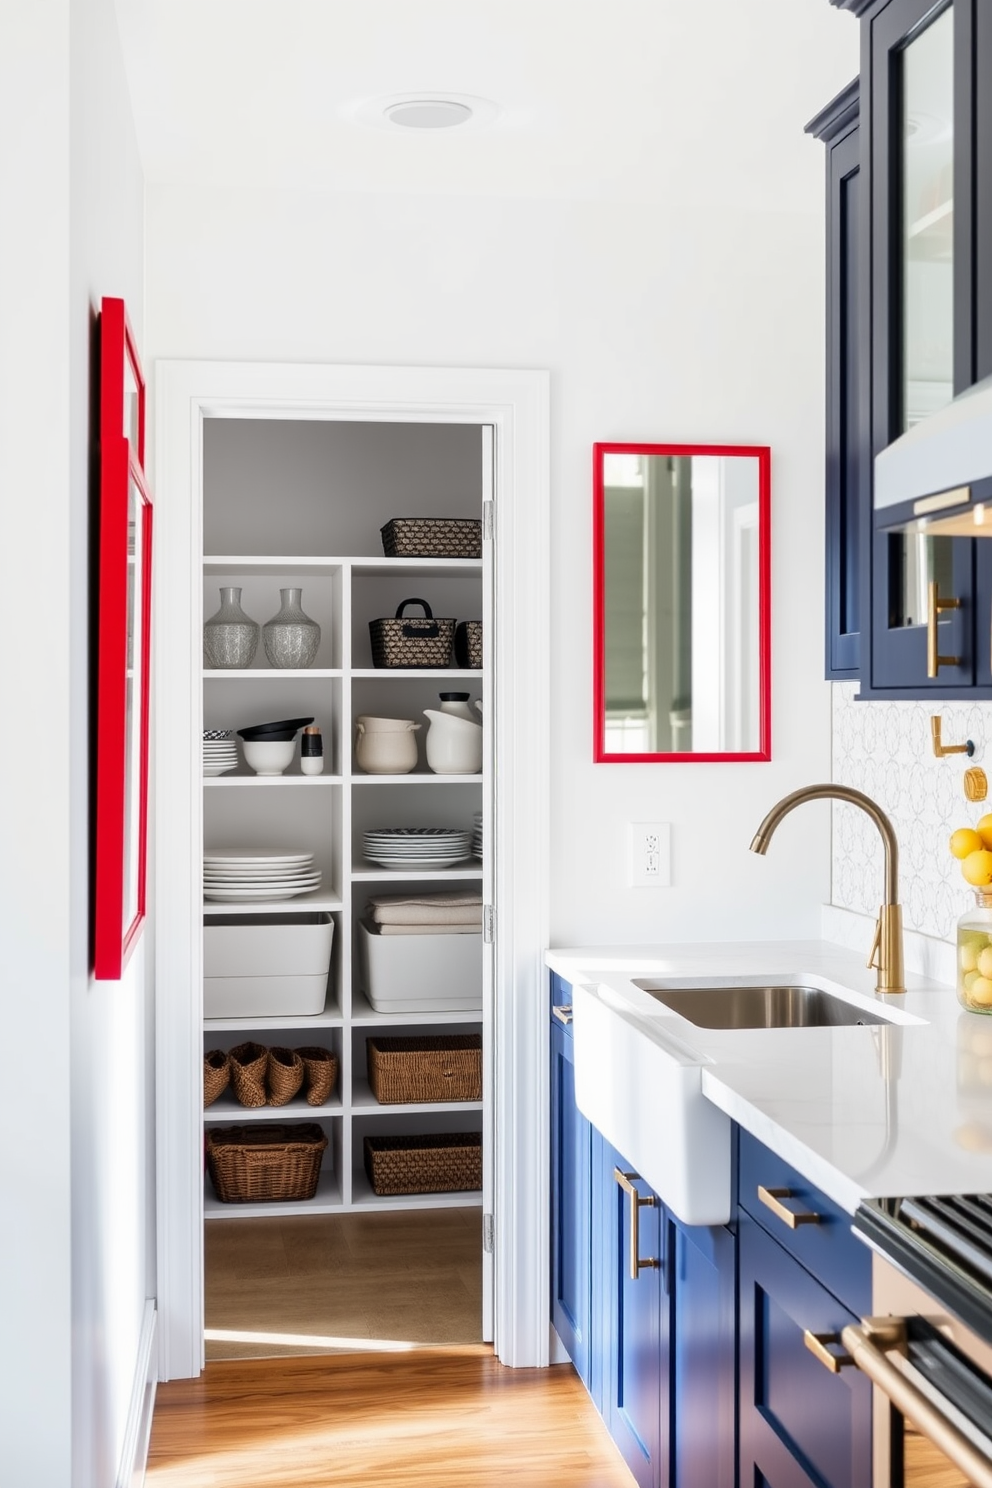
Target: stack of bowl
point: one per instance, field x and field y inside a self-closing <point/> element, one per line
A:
<point x="269" y="747"/>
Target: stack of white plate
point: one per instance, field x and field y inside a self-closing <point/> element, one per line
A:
<point x="238" y="874"/>
<point x="477" y="835"/>
<point x="417" y="847"/>
<point x="220" y="751"/>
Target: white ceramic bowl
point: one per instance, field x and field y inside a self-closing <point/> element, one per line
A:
<point x="269" y="757"/>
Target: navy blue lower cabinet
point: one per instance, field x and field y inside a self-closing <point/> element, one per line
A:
<point x="704" y="1357"/>
<point x="571" y="1160"/>
<point x="801" y="1426"/>
<point x="636" y="1405"/>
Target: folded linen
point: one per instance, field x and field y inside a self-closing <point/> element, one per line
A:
<point x="450" y="897"/>
<point x="420" y="914"/>
<point x="426" y="929"/>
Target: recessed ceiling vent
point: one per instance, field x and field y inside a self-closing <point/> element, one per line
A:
<point x="424" y="112"/>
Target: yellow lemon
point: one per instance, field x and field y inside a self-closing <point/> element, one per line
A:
<point x="980" y="992"/>
<point x="966" y="840"/>
<point x="969" y="978"/>
<point x="977" y="867"/>
<point x="984" y="830"/>
<point x="968" y="954"/>
<point x="985" y="962"/>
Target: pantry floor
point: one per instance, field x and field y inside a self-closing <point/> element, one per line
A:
<point x="338" y="1283"/>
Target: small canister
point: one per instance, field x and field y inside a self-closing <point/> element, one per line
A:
<point x="312" y="751"/>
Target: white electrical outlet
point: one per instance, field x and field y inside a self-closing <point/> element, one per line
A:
<point x="649" y="856"/>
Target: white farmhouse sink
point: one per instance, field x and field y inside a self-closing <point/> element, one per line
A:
<point x="641" y="1087"/>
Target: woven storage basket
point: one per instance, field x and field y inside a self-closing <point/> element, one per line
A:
<point x="216" y="1075"/>
<point x="432" y="537"/>
<point x="285" y="1075"/>
<point x="468" y="643"/>
<point x="441" y="1068"/>
<point x="321" y="1071"/>
<point x="420" y="641"/>
<point x="265" y="1161"/>
<point x="438" y="1162"/>
<point x="249" y="1063"/>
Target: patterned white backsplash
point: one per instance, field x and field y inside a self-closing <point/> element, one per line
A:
<point x="885" y="750"/>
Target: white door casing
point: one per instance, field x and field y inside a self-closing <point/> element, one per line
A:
<point x="516" y="406"/>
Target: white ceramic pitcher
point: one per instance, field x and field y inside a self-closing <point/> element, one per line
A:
<point x="386" y="746"/>
<point x="454" y="744"/>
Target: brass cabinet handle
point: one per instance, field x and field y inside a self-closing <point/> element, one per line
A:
<point x="934" y="607"/>
<point x="626" y="1182"/>
<point x="563" y="1012"/>
<point x="817" y="1345"/>
<point x="771" y="1198"/>
<point x="866" y="1345"/>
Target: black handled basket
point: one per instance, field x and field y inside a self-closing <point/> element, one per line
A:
<point x="421" y="641"/>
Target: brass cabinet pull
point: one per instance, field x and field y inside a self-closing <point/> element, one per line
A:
<point x="817" y="1345"/>
<point x="866" y="1345"/>
<point x="626" y="1182"/>
<point x="563" y="1012"/>
<point x="771" y="1198"/>
<point x="934" y="607"/>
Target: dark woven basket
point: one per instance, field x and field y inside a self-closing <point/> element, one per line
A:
<point x="266" y="1161"/>
<point x="249" y="1063"/>
<point x="438" y="1162"/>
<point x="321" y="1068"/>
<point x="284" y="1075"/>
<point x="468" y="643"/>
<point x="432" y="537"/>
<point x="440" y="1068"/>
<point x="216" y="1075"/>
<point x="417" y="641"/>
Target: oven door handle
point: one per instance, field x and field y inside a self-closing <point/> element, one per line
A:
<point x="866" y="1345"/>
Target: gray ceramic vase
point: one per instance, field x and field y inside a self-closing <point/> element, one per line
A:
<point x="230" y="638"/>
<point x="291" y="638"/>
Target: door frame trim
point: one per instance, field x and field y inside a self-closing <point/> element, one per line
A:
<point x="517" y="405"/>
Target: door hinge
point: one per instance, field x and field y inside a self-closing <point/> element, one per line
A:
<point x="488" y="1234"/>
<point x="488" y="923"/>
<point x="488" y="521"/>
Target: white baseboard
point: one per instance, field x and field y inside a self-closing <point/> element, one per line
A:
<point x="134" y="1456"/>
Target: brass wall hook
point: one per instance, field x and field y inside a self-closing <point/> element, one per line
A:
<point x="940" y="749"/>
<point x="976" y="783"/>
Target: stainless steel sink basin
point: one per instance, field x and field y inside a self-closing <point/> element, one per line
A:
<point x="759" y="1007"/>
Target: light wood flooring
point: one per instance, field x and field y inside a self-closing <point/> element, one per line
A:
<point x="326" y="1283"/>
<point x="437" y="1418"/>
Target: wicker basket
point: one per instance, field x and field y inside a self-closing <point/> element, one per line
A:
<point x="284" y="1075"/>
<point x="216" y="1075"/>
<point x="432" y="537"/>
<point x="421" y="641"/>
<point x="437" y="1162"/>
<point x="249" y="1062"/>
<point x="266" y="1161"/>
<point x="445" y="1068"/>
<point x="321" y="1068"/>
<point x="468" y="643"/>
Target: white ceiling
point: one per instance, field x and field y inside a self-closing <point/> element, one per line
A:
<point x="601" y="99"/>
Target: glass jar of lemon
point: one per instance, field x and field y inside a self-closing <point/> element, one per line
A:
<point x="975" y="954"/>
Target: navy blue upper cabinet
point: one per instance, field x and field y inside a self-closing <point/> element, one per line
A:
<point x="915" y="212"/>
<point x="848" y="477"/>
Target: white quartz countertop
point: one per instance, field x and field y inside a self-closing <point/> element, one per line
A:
<point x="881" y="1111"/>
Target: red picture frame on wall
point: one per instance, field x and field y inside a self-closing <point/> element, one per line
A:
<point x="123" y="650"/>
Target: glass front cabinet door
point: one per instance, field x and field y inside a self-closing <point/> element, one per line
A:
<point x="928" y="160"/>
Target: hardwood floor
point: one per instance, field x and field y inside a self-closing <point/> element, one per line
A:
<point x="435" y="1418"/>
<point x="342" y="1282"/>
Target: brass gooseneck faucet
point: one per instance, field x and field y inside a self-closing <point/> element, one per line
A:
<point x="886" y="949"/>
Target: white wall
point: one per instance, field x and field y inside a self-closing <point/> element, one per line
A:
<point x="701" y="326"/>
<point x="111" y="1024"/>
<point x="73" y="1147"/>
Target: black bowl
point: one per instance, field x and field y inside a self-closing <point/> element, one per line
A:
<point x="282" y="728"/>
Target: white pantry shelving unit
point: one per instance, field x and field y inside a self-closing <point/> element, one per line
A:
<point x="327" y="814"/>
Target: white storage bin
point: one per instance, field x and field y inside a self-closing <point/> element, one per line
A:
<point x="267" y="965"/>
<point x="421" y="973"/>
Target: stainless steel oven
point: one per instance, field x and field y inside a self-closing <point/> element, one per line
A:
<point x="927" y="1347"/>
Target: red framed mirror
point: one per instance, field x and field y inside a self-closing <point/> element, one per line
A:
<point x="682" y="602"/>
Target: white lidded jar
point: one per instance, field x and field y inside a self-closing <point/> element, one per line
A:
<point x="975" y="954"/>
<point x="454" y="738"/>
<point x="386" y="746"/>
